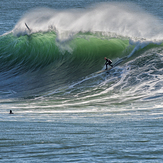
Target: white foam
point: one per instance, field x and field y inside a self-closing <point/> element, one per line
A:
<point x="119" y="18"/>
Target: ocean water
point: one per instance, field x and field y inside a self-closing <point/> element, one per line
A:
<point x="64" y="110"/>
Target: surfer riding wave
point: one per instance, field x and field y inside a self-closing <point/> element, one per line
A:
<point x="108" y="62"/>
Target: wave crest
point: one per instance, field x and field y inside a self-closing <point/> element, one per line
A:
<point x="125" y="19"/>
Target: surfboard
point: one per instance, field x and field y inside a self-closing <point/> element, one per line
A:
<point x="104" y="70"/>
<point x="28" y="27"/>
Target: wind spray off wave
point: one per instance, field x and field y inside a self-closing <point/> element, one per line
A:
<point x="122" y="19"/>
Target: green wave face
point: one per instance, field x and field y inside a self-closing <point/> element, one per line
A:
<point x="38" y="50"/>
<point x="27" y="52"/>
<point x="41" y="62"/>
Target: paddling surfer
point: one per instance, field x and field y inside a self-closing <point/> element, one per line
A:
<point x="11" y="112"/>
<point x="108" y="62"/>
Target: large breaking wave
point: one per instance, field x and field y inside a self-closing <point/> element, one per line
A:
<point x="64" y="49"/>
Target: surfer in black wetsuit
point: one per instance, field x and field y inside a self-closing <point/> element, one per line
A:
<point x="108" y="62"/>
<point x="11" y="112"/>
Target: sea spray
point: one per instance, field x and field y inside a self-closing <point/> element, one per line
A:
<point x="116" y="18"/>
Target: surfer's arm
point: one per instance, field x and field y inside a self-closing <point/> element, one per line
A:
<point x="106" y="62"/>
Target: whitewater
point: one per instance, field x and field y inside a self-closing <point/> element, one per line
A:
<point x="64" y="111"/>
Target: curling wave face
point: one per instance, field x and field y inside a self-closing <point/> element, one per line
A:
<point x="55" y="62"/>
